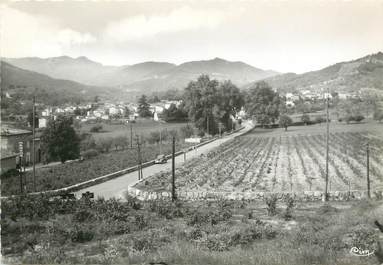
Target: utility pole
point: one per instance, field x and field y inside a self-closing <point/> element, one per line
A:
<point x="131" y="134"/>
<point x="173" y="170"/>
<point x="160" y="140"/>
<point x="21" y="154"/>
<point x="368" y="171"/>
<point x="33" y="142"/>
<point x="138" y="158"/>
<point x="327" y="143"/>
<point x="207" y="125"/>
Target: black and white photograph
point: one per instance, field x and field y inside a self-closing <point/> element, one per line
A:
<point x="191" y="132"/>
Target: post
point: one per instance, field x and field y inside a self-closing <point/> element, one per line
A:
<point x="160" y="141"/>
<point x="33" y="143"/>
<point x="21" y="174"/>
<point x="184" y="155"/>
<point x="207" y="125"/>
<point x="138" y="158"/>
<point x="327" y="144"/>
<point x="173" y="170"/>
<point x="368" y="171"/>
<point x="131" y="134"/>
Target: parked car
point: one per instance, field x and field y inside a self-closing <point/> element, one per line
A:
<point x="161" y="159"/>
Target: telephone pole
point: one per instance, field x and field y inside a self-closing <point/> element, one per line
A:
<point x="139" y="170"/>
<point x="173" y="170"/>
<point x="131" y="134"/>
<point x="207" y="124"/>
<point x="368" y="171"/>
<point x="33" y="142"/>
<point x="327" y="143"/>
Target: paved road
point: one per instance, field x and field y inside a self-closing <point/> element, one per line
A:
<point x="117" y="187"/>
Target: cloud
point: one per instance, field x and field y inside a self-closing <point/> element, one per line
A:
<point x="182" y="19"/>
<point x="23" y="34"/>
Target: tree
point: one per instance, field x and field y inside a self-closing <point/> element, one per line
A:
<point x="305" y="118"/>
<point x="209" y="103"/>
<point x="59" y="140"/>
<point x="285" y="121"/>
<point x="173" y="113"/>
<point x="263" y="103"/>
<point x="143" y="107"/>
<point x="127" y="112"/>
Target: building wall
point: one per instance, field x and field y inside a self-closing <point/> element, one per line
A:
<point x="11" y="143"/>
<point x="8" y="163"/>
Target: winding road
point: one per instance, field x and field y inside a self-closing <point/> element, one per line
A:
<point x="117" y="187"/>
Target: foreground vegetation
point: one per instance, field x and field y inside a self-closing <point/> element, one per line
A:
<point x="51" y="230"/>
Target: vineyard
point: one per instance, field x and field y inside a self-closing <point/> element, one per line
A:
<point x="280" y="164"/>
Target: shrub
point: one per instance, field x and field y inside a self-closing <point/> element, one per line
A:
<point x="271" y="203"/>
<point x="141" y="221"/>
<point x="81" y="235"/>
<point x="90" y="153"/>
<point x="196" y="234"/>
<point x="96" y="128"/>
<point x="319" y="119"/>
<point x="10" y="173"/>
<point x="133" y="202"/>
<point x="83" y="216"/>
<point x="198" y="218"/>
<point x="305" y="118"/>
<point x="142" y="244"/>
<point x="218" y="242"/>
<point x="290" y="204"/>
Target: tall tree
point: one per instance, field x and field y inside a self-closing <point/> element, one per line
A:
<point x="143" y="107"/>
<point x="209" y="103"/>
<point x="262" y="103"/>
<point x="59" y="140"/>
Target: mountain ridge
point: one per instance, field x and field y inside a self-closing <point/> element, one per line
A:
<point x="86" y="71"/>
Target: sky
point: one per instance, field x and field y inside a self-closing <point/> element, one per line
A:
<point x="285" y="36"/>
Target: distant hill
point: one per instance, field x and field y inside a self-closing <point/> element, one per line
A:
<point x="351" y="76"/>
<point x="17" y="80"/>
<point x="142" y="77"/>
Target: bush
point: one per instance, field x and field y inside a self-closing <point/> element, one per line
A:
<point x="10" y="173"/>
<point x="141" y="221"/>
<point x="90" y="153"/>
<point x="305" y="118"/>
<point x="271" y="203"/>
<point x="81" y="235"/>
<point x="133" y="202"/>
<point x="143" y="244"/>
<point x="319" y="119"/>
<point x="96" y="128"/>
<point x="356" y="118"/>
<point x="83" y="216"/>
<point x="290" y="204"/>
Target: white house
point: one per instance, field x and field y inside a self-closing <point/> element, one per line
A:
<point x="42" y="122"/>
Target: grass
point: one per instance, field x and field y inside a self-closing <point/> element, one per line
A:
<point x="139" y="233"/>
<point x="141" y="127"/>
<point x="319" y="129"/>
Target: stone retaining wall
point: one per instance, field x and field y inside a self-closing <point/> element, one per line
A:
<point x="300" y="196"/>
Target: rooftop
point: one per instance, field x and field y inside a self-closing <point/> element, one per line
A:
<point x="6" y="131"/>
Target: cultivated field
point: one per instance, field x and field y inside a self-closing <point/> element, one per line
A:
<point x="277" y="161"/>
<point x="141" y="127"/>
